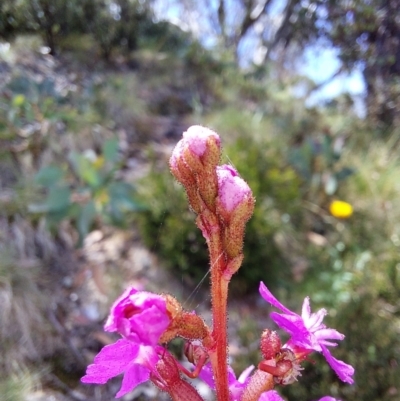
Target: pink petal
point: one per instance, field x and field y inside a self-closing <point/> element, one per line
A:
<point x="146" y="322"/>
<point x="271" y="395"/>
<point x="245" y="374"/>
<point x="328" y="334"/>
<point x="266" y="294"/>
<point x="232" y="190"/>
<point x="343" y="370"/>
<point x="206" y="374"/>
<point x="327" y="398"/>
<point x="196" y="137"/>
<point x="135" y="375"/>
<point x="314" y="322"/>
<point x="300" y="334"/>
<point x="306" y="309"/>
<point x="111" y="361"/>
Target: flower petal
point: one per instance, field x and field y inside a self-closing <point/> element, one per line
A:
<point x="266" y="294"/>
<point x="206" y="374"/>
<point x="300" y="334"/>
<point x="314" y="322"/>
<point x="139" y="316"/>
<point x="135" y="375"/>
<point x="271" y="395"/>
<point x="327" y="398"/>
<point x="245" y="374"/>
<point x="343" y="370"/>
<point x="111" y="361"/>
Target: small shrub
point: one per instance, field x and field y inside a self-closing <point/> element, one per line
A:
<point x="86" y="189"/>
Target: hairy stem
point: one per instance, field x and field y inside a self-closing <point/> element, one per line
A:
<point x="219" y="353"/>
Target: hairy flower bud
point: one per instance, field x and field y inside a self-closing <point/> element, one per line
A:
<point x="199" y="147"/>
<point x="270" y="344"/>
<point x="193" y="163"/>
<point x="234" y="195"/>
<point x="184" y="324"/>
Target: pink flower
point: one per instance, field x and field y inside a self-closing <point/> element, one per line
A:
<point x="232" y="190"/>
<point x="134" y="360"/>
<point x="308" y="333"/>
<point x="236" y="386"/>
<point x="139" y="316"/>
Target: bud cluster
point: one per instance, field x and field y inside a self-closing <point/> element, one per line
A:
<point x="217" y="194"/>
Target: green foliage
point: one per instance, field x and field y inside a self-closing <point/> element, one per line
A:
<point x="120" y="25"/>
<point x="85" y="189"/>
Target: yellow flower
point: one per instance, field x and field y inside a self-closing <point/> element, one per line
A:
<point x="340" y="209"/>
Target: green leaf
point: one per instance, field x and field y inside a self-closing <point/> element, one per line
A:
<point x="58" y="199"/>
<point x="49" y="176"/>
<point x="110" y="150"/>
<point x="57" y="202"/>
<point x="122" y="197"/>
<point x="85" y="220"/>
<point x="85" y="170"/>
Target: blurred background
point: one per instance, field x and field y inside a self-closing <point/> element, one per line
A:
<point x="94" y="94"/>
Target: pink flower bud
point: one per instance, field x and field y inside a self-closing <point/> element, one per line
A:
<point x="233" y="191"/>
<point x="198" y="137"/>
<point x="199" y="147"/>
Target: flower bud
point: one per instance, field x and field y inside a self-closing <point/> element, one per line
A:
<point x="199" y="147"/>
<point x="183" y="324"/>
<point x="270" y="344"/>
<point x="233" y="266"/>
<point x="234" y="195"/>
<point x="179" y="168"/>
<point x="204" y="144"/>
<point x="195" y="352"/>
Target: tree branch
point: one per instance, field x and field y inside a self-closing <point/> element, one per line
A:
<point x="326" y="81"/>
<point x="283" y="27"/>
<point x="250" y="20"/>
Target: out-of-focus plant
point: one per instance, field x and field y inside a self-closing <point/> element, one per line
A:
<point x="86" y="189"/>
<point x="318" y="162"/>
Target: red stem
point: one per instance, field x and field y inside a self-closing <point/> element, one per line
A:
<point x="219" y="353"/>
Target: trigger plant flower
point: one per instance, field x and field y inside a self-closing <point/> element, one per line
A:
<point x="308" y="333"/>
<point x="140" y="318"/>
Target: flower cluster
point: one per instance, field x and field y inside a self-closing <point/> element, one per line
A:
<point x="147" y="322"/>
